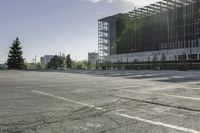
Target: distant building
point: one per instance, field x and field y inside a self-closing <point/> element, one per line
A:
<point x="93" y="58"/>
<point x="46" y="59"/>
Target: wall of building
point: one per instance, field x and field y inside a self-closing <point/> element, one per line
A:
<point x="93" y="58"/>
<point x="107" y="35"/>
<point x="46" y="59"/>
<point x="169" y="55"/>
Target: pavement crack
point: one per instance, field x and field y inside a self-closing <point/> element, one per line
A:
<point x="113" y="120"/>
<point x="160" y="104"/>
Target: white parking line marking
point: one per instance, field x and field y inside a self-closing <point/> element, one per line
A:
<point x="99" y="108"/>
<point x="120" y="114"/>
<point x="62" y="98"/>
<point x="159" y="123"/>
<point x="181" y="97"/>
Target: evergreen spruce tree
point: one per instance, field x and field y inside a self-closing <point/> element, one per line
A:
<point x="15" y="58"/>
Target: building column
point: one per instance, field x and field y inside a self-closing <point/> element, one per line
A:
<point x="197" y="56"/>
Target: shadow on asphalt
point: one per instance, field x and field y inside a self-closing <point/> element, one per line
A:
<point x="159" y="76"/>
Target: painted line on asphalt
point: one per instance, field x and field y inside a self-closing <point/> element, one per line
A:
<point x="62" y="98"/>
<point x="175" y="96"/>
<point x="182" y="97"/>
<point x="120" y="114"/>
<point x="159" y="123"/>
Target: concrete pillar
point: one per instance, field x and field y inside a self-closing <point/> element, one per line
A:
<point x="197" y="56"/>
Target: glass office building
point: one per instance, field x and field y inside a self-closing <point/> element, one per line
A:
<point x="166" y="30"/>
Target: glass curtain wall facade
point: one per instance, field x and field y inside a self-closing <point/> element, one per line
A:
<point x="168" y="24"/>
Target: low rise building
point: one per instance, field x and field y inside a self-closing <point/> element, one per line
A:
<point x="46" y="59"/>
<point x="92" y="58"/>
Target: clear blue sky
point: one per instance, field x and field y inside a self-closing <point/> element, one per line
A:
<point x="53" y="26"/>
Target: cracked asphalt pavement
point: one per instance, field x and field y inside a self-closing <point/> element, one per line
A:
<point x="100" y="102"/>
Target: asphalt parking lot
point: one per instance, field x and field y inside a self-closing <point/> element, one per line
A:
<point x="100" y="102"/>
